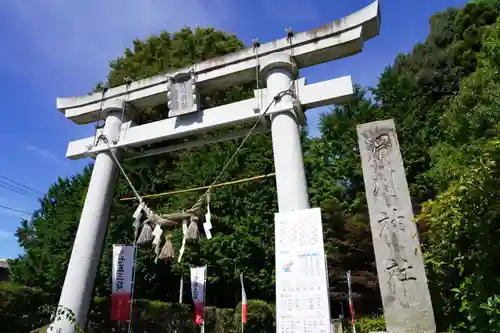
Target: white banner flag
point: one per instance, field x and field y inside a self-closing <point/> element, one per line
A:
<point x="349" y="290"/>
<point x="198" y="281"/>
<point x="123" y="264"/>
<point x="351" y="306"/>
<point x="244" y="303"/>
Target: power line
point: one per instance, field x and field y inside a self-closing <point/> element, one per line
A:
<point x="12" y="188"/>
<point x="15" y="210"/>
<point x="22" y="185"/>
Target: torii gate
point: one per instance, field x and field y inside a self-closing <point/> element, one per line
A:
<point x="276" y="62"/>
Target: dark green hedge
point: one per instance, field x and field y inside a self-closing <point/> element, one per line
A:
<point x="24" y="309"/>
<point x="152" y="316"/>
<point x="368" y="324"/>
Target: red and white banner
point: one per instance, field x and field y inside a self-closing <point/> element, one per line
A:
<point x="244" y="303"/>
<point x="351" y="307"/>
<point x="123" y="264"/>
<point x="198" y="281"/>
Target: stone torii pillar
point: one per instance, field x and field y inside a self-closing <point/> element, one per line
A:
<point x="332" y="41"/>
<point x="87" y="248"/>
<point x="285" y="131"/>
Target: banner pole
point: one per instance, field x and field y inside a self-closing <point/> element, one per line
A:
<point x="351" y="305"/>
<point x="181" y="289"/>
<point x="132" y="290"/>
<point x="243" y="304"/>
<point x="204" y="299"/>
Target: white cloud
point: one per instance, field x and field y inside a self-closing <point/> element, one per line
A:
<point x="46" y="155"/>
<point x="60" y="39"/>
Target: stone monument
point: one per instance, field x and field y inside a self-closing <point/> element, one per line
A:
<point x="400" y="266"/>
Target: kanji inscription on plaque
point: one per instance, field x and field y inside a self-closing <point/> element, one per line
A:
<point x="182" y="94"/>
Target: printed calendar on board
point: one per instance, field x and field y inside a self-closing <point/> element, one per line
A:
<point x="302" y="303"/>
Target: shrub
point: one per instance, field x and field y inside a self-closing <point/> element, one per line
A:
<point x="369" y="324"/>
<point x="154" y="316"/>
<point x="260" y="317"/>
<point x="22" y="309"/>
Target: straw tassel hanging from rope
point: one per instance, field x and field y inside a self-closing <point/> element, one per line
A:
<point x="146" y="235"/>
<point x="192" y="231"/>
<point x="167" y="252"/>
<point x="151" y="229"/>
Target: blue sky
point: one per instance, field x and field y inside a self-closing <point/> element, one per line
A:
<point x="57" y="48"/>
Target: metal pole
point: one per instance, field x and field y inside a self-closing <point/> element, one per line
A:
<point x="87" y="248"/>
<point x="181" y="289"/>
<point x="132" y="290"/>
<point x="351" y="306"/>
<point x="287" y="148"/>
<point x="204" y="299"/>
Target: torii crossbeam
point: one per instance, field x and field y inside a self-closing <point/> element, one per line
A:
<point x="275" y="61"/>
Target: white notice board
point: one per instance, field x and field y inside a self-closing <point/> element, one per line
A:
<point x="302" y="304"/>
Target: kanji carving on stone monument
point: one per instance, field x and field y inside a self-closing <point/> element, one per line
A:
<point x="379" y="146"/>
<point x="400" y="267"/>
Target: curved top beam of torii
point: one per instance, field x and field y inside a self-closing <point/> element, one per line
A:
<point x="340" y="38"/>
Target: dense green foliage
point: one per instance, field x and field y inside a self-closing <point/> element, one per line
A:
<point x="47" y="236"/>
<point x="369" y="324"/>
<point x="444" y="97"/>
<point x="466" y="169"/>
<point x="154" y="316"/>
<point x="22" y="309"/>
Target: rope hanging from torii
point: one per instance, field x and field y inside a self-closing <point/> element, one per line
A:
<point x="152" y="228"/>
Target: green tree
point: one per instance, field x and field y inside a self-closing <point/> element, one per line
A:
<point x="462" y="246"/>
<point x="48" y="236"/>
